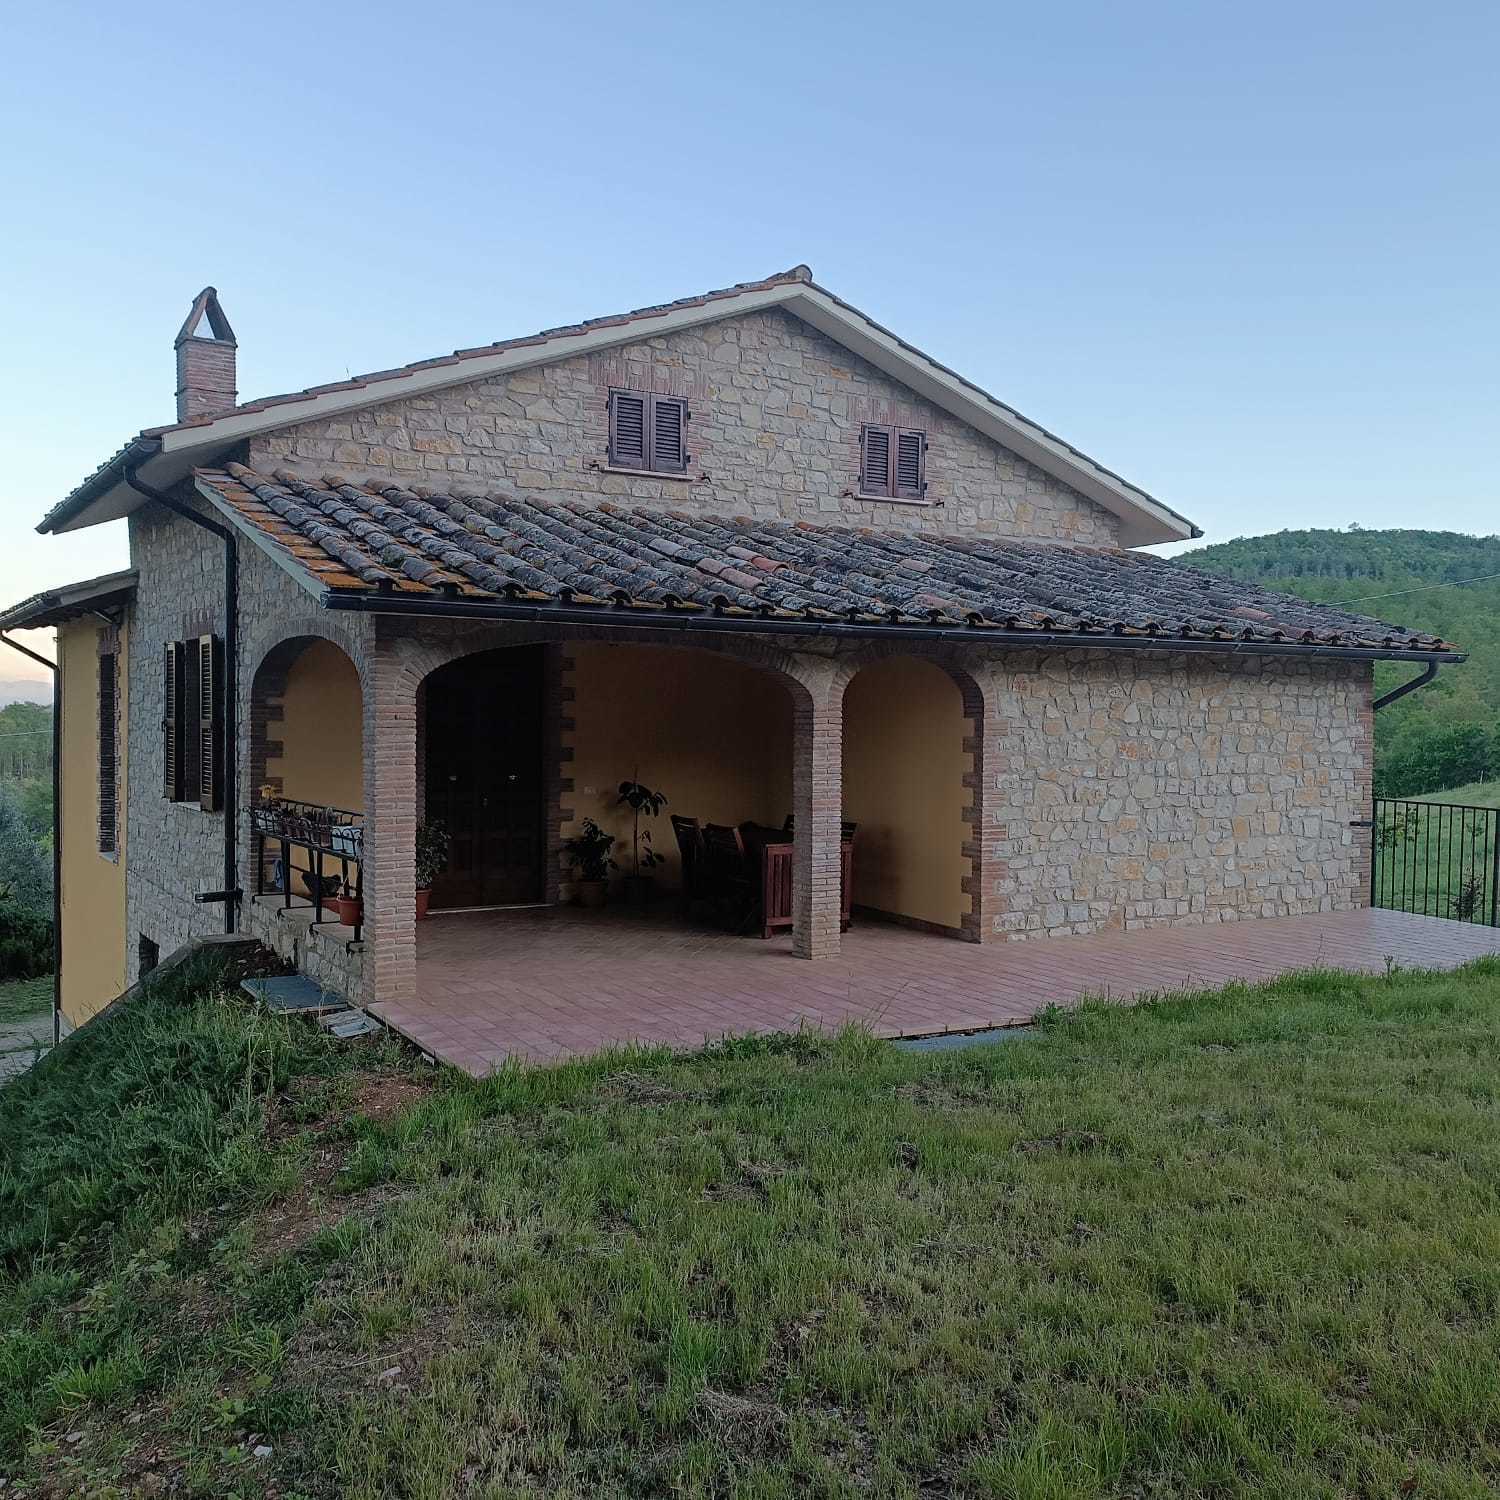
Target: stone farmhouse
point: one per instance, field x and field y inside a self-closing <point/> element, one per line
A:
<point x="749" y="548"/>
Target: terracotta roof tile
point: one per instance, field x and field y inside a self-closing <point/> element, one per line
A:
<point x="380" y="536"/>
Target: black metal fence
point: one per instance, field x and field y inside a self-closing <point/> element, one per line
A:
<point x="1436" y="859"/>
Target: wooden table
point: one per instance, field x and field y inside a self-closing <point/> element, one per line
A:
<point x="770" y="853"/>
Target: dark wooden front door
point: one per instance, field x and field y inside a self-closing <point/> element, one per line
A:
<point x="484" y="776"/>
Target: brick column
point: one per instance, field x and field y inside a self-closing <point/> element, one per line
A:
<point x="390" y="714"/>
<point x="985" y="847"/>
<point x="817" y="802"/>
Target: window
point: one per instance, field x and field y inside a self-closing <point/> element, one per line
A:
<point x="893" y="462"/>
<point x="193" y="722"/>
<point x="648" y="432"/>
<point x="109" y="733"/>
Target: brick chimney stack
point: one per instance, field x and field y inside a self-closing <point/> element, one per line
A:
<point x="205" y="363"/>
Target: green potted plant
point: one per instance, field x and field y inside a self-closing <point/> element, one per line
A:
<point x="432" y="860"/>
<point x="641" y="800"/>
<point x="588" y="853"/>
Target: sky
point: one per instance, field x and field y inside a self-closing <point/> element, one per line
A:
<point x="1244" y="255"/>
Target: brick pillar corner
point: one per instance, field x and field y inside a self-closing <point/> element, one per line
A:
<point x="983" y="846"/>
<point x="817" y="802"/>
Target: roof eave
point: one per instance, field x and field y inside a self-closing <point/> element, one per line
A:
<point x="676" y="622"/>
<point x="55" y="606"/>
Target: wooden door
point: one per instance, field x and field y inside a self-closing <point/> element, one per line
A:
<point x="484" y="776"/>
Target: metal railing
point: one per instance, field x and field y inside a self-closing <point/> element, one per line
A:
<point x="324" y="834"/>
<point x="1436" y="859"/>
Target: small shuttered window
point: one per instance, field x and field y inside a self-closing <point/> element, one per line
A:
<point x="109" y="766"/>
<point x="193" y="722"/>
<point x="893" y="462"/>
<point x="648" y="432"/>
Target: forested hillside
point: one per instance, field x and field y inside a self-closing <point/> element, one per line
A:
<point x="1447" y="734"/>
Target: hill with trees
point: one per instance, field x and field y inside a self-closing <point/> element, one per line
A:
<point x="1447" y="734"/>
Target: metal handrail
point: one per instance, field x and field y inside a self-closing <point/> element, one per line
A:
<point x="1437" y="859"/>
<point x="325" y="832"/>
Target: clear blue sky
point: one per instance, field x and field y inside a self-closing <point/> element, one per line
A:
<point x="1243" y="254"/>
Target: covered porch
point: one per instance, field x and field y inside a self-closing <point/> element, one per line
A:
<point x="555" y="982"/>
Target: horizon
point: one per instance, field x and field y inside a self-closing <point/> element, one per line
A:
<point x="1239" y="259"/>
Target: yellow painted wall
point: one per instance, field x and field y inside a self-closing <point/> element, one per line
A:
<point x="904" y="765"/>
<point x="322" y="731"/>
<point x="94" y="942"/>
<point x="713" y="734"/>
<point x="322" y="739"/>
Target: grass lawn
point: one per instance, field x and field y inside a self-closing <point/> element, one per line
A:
<point x="23" y="999"/>
<point x="1476" y="794"/>
<point x="1236" y="1244"/>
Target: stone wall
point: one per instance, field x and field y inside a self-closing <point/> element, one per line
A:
<point x="176" y="849"/>
<point x="1126" y="791"/>
<point x="776" y="412"/>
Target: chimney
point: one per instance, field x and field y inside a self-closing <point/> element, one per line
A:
<point x="205" y="363"/>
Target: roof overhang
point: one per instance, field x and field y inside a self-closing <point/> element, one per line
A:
<point x="166" y="455"/>
<point x="669" y="622"/>
<point x="71" y="601"/>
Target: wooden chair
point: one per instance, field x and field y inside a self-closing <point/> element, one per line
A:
<point x="729" y="887"/>
<point x="690" y="846"/>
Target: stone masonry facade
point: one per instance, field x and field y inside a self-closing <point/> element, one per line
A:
<point x="1136" y="790"/>
<point x="776" y="412"/>
<point x="1107" y="789"/>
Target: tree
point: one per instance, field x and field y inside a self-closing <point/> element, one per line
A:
<point x="25" y="870"/>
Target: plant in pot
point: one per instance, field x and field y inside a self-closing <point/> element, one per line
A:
<point x="432" y="860"/>
<point x="588" y="853"/>
<point x="641" y="801"/>
<point x="350" y="905"/>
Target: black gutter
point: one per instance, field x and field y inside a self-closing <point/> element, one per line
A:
<point x="561" y="614"/>
<point x="1421" y="680"/>
<point x="230" y="895"/>
<point x="51" y="666"/>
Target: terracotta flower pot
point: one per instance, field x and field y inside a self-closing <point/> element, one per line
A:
<point x="351" y="909"/>
<point x="591" y="892"/>
<point x="423" y="897"/>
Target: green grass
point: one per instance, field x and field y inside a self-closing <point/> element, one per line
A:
<point x="23" y="999"/>
<point x="1243" y="1244"/>
<point x="1476" y="794"/>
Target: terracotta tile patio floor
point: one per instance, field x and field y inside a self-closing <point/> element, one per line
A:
<point x="546" y="983"/>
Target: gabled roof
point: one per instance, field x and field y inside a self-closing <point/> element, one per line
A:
<point x="70" y="601"/>
<point x="167" y="454"/>
<point x="388" y="548"/>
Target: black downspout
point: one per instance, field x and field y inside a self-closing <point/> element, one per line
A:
<point x="230" y="895"/>
<point x="1421" y="680"/>
<point x="51" y="666"/>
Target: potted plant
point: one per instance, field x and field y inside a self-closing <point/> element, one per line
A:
<point x="588" y="853"/>
<point x="640" y="799"/>
<point x="432" y="860"/>
<point x="350" y="906"/>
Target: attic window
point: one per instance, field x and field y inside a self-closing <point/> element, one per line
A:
<point x="648" y="432"/>
<point x="893" y="462"/>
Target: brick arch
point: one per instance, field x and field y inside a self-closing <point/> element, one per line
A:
<point x="266" y="692"/>
<point x="979" y="846"/>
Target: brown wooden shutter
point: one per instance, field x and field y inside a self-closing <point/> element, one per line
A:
<point x="627" y="429"/>
<point x="875" y="460"/>
<point x="109" y="729"/>
<point x="668" y="434"/>
<point x="210" y="652"/>
<point x="171" y="721"/>
<point x="911" y="464"/>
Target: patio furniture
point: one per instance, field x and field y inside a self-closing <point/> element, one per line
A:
<point x="729" y="888"/>
<point x="690" y="846"/>
<point x="772" y="855"/>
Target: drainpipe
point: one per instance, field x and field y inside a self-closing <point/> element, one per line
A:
<point x="230" y="895"/>
<point x="1421" y="680"/>
<point x="51" y="666"/>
